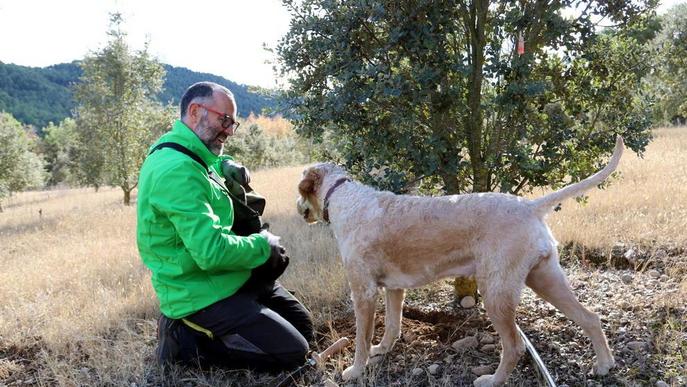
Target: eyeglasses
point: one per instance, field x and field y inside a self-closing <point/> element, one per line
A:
<point x="227" y="121"/>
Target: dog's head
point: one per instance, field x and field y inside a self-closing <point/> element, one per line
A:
<point x="315" y="181"/>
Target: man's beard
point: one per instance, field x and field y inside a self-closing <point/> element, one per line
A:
<point x="204" y="127"/>
<point x="218" y="150"/>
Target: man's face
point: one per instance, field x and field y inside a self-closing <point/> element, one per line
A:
<point x="209" y="121"/>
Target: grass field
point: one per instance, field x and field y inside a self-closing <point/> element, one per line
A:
<point x="77" y="307"/>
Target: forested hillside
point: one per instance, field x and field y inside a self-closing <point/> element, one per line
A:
<point x="179" y="78"/>
<point x="38" y="95"/>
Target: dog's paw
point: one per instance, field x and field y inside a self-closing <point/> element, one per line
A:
<point x="377" y="350"/>
<point x="351" y="373"/>
<point x="602" y="368"/>
<point x="484" y="381"/>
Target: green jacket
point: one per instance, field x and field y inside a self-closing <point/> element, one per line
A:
<point x="184" y="231"/>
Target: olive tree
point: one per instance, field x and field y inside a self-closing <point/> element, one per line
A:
<point x="669" y="82"/>
<point x="20" y="166"/>
<point x="117" y="114"/>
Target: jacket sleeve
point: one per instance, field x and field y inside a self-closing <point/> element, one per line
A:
<point x="183" y="194"/>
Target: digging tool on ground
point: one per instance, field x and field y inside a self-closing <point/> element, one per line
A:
<point x="538" y="362"/>
<point x="315" y="361"/>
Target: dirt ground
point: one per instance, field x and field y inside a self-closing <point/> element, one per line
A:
<point x="641" y="304"/>
<point x="642" y="311"/>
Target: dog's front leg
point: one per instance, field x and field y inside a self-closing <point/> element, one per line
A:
<point x="364" y="305"/>
<point x="392" y="321"/>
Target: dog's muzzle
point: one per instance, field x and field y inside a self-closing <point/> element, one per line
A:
<point x="303" y="208"/>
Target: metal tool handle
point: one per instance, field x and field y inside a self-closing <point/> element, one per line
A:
<point x="331" y="350"/>
<point x="539" y="363"/>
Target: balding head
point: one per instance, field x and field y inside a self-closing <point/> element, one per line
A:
<point x="209" y="110"/>
<point x="201" y="92"/>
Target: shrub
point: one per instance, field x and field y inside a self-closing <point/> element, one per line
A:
<point x="256" y="149"/>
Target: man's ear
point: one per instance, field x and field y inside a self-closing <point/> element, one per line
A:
<point x="193" y="115"/>
<point x="311" y="183"/>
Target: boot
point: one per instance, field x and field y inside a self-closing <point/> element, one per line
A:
<point x="167" y="351"/>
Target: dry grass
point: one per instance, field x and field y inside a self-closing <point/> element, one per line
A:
<point x="72" y="288"/>
<point x="77" y="308"/>
<point x="315" y="273"/>
<point x="646" y="206"/>
<point x="75" y="298"/>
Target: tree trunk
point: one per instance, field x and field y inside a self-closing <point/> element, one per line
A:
<point x="451" y="183"/>
<point x="127" y="197"/>
<point x="475" y="24"/>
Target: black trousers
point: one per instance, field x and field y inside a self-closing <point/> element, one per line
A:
<point x="262" y="329"/>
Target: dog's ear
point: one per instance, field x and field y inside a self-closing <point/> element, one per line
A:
<point x="311" y="183"/>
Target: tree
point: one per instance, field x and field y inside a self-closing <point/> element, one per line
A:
<point x="256" y="149"/>
<point x="669" y="83"/>
<point x="436" y="93"/>
<point x="117" y="113"/>
<point x="60" y="151"/>
<point x="20" y="167"/>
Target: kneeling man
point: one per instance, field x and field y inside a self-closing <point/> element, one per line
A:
<point x="219" y="298"/>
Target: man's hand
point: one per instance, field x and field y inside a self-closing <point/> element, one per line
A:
<point x="275" y="264"/>
<point x="272" y="239"/>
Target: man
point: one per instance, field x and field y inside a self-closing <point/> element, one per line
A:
<point x="218" y="296"/>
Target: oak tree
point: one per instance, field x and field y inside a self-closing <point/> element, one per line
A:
<point x="467" y="96"/>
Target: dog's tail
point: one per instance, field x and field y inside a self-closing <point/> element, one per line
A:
<point x="544" y="204"/>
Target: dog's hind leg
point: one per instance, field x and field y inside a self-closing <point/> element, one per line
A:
<point x="364" y="300"/>
<point x="392" y="321"/>
<point x="501" y="298"/>
<point x="548" y="280"/>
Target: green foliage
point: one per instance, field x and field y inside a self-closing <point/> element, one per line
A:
<point x="669" y="83"/>
<point x="435" y="92"/>
<point x="117" y="113"/>
<point x="38" y="96"/>
<point x="255" y="149"/>
<point x="20" y="167"/>
<point x="60" y="150"/>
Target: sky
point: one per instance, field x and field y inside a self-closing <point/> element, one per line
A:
<point x="221" y="37"/>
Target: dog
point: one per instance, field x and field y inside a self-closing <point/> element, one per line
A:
<point x="398" y="242"/>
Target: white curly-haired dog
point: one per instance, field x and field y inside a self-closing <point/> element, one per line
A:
<point x="399" y="241"/>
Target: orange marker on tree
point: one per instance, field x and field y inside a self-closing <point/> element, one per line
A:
<point x="521" y="44"/>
